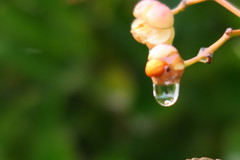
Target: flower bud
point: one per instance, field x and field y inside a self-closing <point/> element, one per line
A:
<point x="155" y="67"/>
<point x="141" y="7"/>
<point x="151" y="36"/>
<point x="154" y="13"/>
<point x="173" y="69"/>
<point x="161" y="51"/>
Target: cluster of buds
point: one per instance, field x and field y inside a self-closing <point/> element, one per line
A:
<point x="153" y="27"/>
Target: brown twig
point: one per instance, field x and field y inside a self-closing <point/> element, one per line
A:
<point x="185" y="3"/>
<point x="207" y="53"/>
<point x="229" y="7"/>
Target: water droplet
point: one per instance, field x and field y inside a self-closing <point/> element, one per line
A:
<point x="208" y="56"/>
<point x="166" y="95"/>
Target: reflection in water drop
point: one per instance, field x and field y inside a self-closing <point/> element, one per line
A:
<point x="166" y="95"/>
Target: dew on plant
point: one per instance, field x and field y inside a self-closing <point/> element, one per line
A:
<point x="166" y="95"/>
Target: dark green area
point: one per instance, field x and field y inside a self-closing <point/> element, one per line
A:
<point x="73" y="87"/>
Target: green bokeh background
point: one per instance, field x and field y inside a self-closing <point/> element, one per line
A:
<point x="73" y="87"/>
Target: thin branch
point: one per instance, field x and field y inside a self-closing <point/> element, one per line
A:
<point x="206" y="54"/>
<point x="229" y="7"/>
<point x="185" y="3"/>
<point x="235" y="33"/>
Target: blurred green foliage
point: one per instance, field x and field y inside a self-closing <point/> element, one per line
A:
<point x="73" y="85"/>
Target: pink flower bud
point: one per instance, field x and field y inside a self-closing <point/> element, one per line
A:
<point x="161" y="51"/>
<point x="141" y="7"/>
<point x="151" y="36"/>
<point x="154" y="13"/>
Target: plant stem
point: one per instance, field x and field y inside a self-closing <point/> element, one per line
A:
<point x="185" y="3"/>
<point x="229" y="7"/>
<point x="208" y="52"/>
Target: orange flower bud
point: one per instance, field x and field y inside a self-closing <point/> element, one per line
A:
<point x="154" y="13"/>
<point x="174" y="67"/>
<point x="155" y="68"/>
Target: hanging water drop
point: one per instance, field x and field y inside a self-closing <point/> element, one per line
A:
<point x="166" y="95"/>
